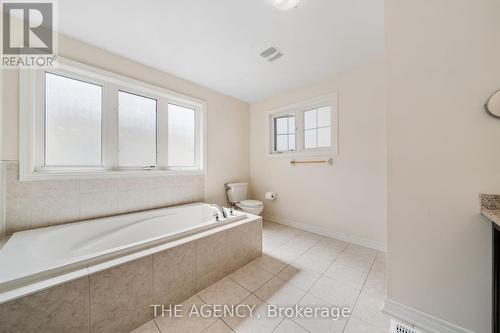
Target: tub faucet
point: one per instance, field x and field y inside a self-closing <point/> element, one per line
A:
<point x="220" y="209"/>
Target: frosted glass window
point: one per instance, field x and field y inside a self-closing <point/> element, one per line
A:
<point x="324" y="137"/>
<point x="324" y="116"/>
<point x="282" y="125"/>
<point x="282" y="143"/>
<point x="284" y="133"/>
<point x="310" y="138"/>
<point x="291" y="125"/>
<point x="137" y="130"/>
<point x="318" y="128"/>
<point x="181" y="136"/>
<point x="291" y="142"/>
<point x="72" y="122"/>
<point x="310" y="119"/>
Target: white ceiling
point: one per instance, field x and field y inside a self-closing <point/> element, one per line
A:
<point x="217" y="43"/>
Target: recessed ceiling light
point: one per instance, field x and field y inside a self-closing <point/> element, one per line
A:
<point x="285" y="4"/>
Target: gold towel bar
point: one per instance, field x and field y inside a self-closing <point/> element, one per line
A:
<point x="328" y="161"/>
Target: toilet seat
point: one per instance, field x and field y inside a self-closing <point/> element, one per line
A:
<point x="251" y="206"/>
<point x="250" y="203"/>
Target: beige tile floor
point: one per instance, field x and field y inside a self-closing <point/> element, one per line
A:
<point x="297" y="267"/>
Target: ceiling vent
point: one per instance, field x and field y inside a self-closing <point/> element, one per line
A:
<point x="271" y="54"/>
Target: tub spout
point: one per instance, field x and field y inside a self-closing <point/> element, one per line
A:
<point x="220" y="209"/>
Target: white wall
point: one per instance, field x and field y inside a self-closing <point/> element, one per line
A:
<point x="443" y="150"/>
<point x="348" y="197"/>
<point x="227" y="117"/>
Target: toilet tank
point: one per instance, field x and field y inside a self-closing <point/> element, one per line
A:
<point x="236" y="192"/>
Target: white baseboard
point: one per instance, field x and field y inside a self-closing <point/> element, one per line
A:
<point x="376" y="245"/>
<point x="421" y="320"/>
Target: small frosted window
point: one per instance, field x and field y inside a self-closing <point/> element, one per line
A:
<point x="310" y="138"/>
<point x="324" y="137"/>
<point x="291" y="142"/>
<point x="181" y="136"/>
<point x="72" y="122"/>
<point x="318" y="128"/>
<point x="310" y="119"/>
<point x="282" y="125"/>
<point x="137" y="130"/>
<point x="291" y="126"/>
<point x="284" y="133"/>
<point x="324" y="116"/>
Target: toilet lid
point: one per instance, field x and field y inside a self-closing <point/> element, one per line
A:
<point x="250" y="203"/>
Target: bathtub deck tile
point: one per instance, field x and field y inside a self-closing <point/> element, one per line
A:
<point x="48" y="209"/>
<point x="98" y="204"/>
<point x="211" y="259"/>
<point x="120" y="290"/>
<point x="244" y="245"/>
<point x="132" y="200"/>
<point x="175" y="272"/>
<point x="64" y="308"/>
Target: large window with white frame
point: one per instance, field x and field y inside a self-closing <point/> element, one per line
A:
<point x="305" y="128"/>
<point x="80" y="121"/>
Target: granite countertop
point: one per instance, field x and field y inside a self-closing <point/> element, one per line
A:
<point x="490" y="207"/>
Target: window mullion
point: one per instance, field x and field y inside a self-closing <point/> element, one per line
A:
<point x="300" y="135"/>
<point x="195" y="148"/>
<point x="317" y="128"/>
<point x="162" y="134"/>
<point x="287" y="134"/>
<point x="110" y="126"/>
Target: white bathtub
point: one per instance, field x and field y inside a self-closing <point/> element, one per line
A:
<point x="49" y="253"/>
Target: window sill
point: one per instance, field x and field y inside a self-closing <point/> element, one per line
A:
<point x="73" y="175"/>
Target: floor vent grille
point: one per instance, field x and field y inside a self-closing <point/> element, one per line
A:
<point x="398" y="327"/>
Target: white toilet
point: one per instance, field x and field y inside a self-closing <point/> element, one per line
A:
<point x="237" y="195"/>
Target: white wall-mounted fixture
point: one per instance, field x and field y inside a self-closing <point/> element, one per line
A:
<point x="271" y="196"/>
<point x="285" y="4"/>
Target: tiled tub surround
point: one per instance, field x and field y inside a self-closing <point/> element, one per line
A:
<point x="35" y="204"/>
<point x="118" y="299"/>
